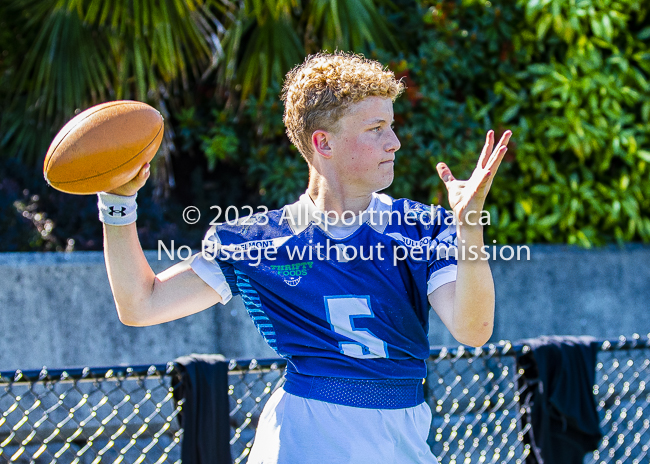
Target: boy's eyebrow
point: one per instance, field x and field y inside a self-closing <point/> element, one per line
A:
<point x="377" y="121"/>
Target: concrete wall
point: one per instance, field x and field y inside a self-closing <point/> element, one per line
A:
<point x="56" y="309"/>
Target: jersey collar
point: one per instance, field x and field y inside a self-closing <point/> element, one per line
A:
<point x="304" y="212"/>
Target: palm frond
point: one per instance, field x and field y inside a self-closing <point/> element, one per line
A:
<point x="88" y="51"/>
<point x="272" y="49"/>
<point x="267" y="38"/>
<point x="347" y="24"/>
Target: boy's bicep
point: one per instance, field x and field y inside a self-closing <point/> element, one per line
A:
<point x="179" y="292"/>
<point x="442" y="302"/>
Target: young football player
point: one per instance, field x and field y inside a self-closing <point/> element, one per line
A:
<point x="339" y="283"/>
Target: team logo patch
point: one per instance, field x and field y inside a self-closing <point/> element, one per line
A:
<point x="425" y="215"/>
<point x="292" y="273"/>
<point x="292" y="281"/>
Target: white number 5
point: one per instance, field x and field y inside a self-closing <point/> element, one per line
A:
<point x="341" y="313"/>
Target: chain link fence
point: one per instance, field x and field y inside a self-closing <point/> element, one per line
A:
<point x="475" y="398"/>
<point x="623" y="398"/>
<point x="250" y="385"/>
<point x="128" y="414"/>
<point x="473" y="394"/>
<point x="120" y="414"/>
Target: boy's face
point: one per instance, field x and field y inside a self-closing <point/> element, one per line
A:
<point x="363" y="148"/>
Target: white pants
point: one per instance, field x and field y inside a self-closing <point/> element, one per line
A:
<point x="295" y="430"/>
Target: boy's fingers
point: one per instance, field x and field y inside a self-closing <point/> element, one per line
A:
<point x="496" y="158"/>
<point x="487" y="148"/>
<point x="444" y="172"/>
<point x="143" y="175"/>
<point x="135" y="184"/>
<point x="494" y="166"/>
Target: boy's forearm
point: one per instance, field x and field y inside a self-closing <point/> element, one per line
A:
<point x="473" y="318"/>
<point x="130" y="275"/>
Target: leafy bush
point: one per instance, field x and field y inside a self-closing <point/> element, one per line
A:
<point x="570" y="79"/>
<point x="271" y="170"/>
<point x="34" y="216"/>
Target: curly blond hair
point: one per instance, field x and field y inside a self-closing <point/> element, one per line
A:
<point x="317" y="93"/>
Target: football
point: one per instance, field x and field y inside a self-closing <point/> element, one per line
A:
<point x="103" y="147"/>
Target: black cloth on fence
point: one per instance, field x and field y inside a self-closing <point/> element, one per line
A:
<point x="205" y="416"/>
<point x="560" y="374"/>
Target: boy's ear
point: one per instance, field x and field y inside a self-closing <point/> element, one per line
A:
<point x="320" y="142"/>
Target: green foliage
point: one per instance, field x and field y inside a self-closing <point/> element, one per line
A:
<point x="58" y="57"/>
<point x="582" y="124"/>
<point x="264" y="39"/>
<point x="83" y="52"/>
<point x="221" y="142"/>
<point x="254" y="140"/>
<point x="274" y="164"/>
<point x="89" y="51"/>
<point x="34" y="216"/>
<point x="570" y="79"/>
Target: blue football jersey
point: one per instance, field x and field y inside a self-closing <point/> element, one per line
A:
<point x="337" y="301"/>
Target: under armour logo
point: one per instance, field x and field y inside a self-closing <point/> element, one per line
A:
<point x="119" y="212"/>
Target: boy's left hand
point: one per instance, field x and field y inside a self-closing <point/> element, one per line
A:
<point x="469" y="195"/>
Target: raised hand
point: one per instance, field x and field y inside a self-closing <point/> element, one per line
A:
<point x="469" y="195"/>
<point x="135" y="184"/>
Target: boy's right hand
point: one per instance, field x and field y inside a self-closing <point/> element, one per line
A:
<point x="135" y="184"/>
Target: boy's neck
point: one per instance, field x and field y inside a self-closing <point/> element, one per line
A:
<point x="331" y="196"/>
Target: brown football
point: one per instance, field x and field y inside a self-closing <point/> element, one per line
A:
<point x="103" y="147"/>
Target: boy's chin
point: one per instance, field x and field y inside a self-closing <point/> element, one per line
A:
<point x="386" y="184"/>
